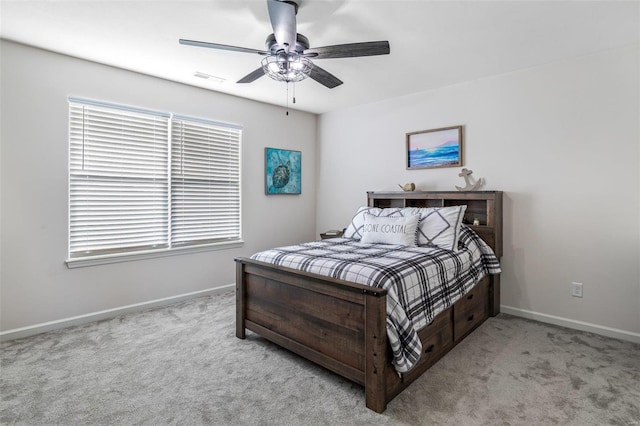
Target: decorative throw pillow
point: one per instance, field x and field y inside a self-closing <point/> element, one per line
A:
<point x="397" y="230"/>
<point x="440" y="227"/>
<point x="354" y="230"/>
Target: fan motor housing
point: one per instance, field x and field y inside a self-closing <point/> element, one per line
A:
<point x="294" y="3"/>
<point x="302" y="43"/>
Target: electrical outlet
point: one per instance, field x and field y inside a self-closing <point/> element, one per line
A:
<point x="576" y="289"/>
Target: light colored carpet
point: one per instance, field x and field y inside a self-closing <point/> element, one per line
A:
<point x="183" y="365"/>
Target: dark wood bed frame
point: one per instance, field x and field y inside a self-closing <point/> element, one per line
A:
<point x="341" y="325"/>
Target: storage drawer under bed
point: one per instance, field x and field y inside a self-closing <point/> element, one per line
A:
<point x="437" y="340"/>
<point x="471" y="310"/>
<point x="436" y="337"/>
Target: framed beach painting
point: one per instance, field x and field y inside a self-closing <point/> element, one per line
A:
<point x="283" y="171"/>
<point x="435" y="148"/>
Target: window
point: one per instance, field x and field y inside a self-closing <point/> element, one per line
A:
<point x="147" y="183"/>
<point x="205" y="182"/>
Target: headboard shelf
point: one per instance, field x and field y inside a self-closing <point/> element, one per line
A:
<point x="486" y="206"/>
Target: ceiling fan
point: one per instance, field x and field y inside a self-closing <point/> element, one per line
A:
<point x="287" y="53"/>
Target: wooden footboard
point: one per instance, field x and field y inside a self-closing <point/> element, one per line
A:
<point x="342" y="326"/>
<point x="336" y="324"/>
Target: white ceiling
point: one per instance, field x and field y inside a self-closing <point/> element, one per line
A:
<point x="433" y="43"/>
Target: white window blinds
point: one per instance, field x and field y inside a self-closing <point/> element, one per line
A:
<point x="135" y="185"/>
<point x="205" y="182"/>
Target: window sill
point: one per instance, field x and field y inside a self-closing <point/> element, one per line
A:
<point x="82" y="262"/>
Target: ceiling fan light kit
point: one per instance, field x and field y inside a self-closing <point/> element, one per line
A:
<point x="287" y="55"/>
<point x="289" y="68"/>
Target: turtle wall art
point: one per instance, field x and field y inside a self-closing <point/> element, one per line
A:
<point x="283" y="171"/>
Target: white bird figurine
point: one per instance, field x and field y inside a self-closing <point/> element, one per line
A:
<point x="408" y="187"/>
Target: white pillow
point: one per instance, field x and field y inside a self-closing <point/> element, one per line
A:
<point x="390" y="230"/>
<point x="440" y="227"/>
<point x="354" y="230"/>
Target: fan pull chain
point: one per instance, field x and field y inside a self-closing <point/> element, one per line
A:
<point x="294" y="92"/>
<point x="287" y="98"/>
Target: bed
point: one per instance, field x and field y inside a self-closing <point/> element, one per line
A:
<point x="342" y="325"/>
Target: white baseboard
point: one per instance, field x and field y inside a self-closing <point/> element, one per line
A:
<point x="569" y="323"/>
<point x="18" y="333"/>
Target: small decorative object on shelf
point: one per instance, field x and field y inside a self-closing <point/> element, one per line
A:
<point x="408" y="187"/>
<point x="334" y="233"/>
<point x="476" y="221"/>
<point x="470" y="186"/>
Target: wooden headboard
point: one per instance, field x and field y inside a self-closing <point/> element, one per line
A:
<point x="486" y="206"/>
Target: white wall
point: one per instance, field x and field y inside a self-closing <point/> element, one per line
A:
<point x="35" y="284"/>
<point x="561" y="140"/>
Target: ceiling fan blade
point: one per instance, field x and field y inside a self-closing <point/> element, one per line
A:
<point x="252" y="76"/>
<point x="283" y="20"/>
<point x="324" y="77"/>
<point x="222" y="47"/>
<point x="351" y="50"/>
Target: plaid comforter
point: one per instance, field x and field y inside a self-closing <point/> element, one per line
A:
<point x="421" y="282"/>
